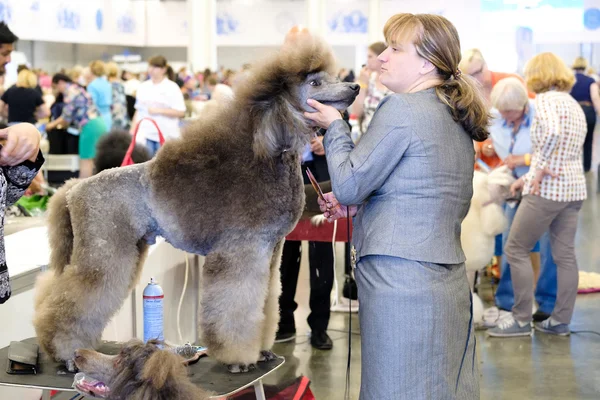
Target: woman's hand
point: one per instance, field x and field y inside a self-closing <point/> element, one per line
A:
<point x="324" y="115"/>
<point x="513" y="161"/>
<point x="333" y="210"/>
<point x="540" y="174"/>
<point x="316" y="146"/>
<point x="517" y="186"/>
<point x="22" y="143"/>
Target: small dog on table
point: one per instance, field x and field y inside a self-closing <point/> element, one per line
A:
<point x="140" y="372"/>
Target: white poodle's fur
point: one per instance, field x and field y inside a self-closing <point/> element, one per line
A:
<point x="483" y="222"/>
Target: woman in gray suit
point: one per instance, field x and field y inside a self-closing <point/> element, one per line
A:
<point x="409" y="184"/>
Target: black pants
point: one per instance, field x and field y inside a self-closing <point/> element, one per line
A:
<point x="590" y="118"/>
<point x="320" y="261"/>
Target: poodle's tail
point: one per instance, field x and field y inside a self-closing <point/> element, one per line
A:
<point x="60" y="230"/>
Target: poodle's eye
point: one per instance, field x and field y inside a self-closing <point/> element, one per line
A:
<point x="314" y="83"/>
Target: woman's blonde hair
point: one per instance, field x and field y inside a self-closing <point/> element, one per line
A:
<point x="98" y="68"/>
<point x="509" y="94"/>
<point x="112" y="70"/>
<point x="469" y="57"/>
<point x="546" y="71"/>
<point x="436" y="40"/>
<point x="75" y="72"/>
<point x="580" y="63"/>
<point x="27" y="79"/>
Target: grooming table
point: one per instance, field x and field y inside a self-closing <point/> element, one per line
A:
<point x="206" y="373"/>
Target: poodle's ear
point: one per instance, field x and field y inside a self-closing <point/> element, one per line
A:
<point x="161" y="367"/>
<point x="281" y="127"/>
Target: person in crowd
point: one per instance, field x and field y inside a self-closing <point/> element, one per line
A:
<point x="587" y="93"/>
<point x="513" y="114"/>
<point x="170" y="74"/>
<point x="119" y="116"/>
<point x="473" y="64"/>
<point x="24" y="102"/>
<point x="76" y="75"/>
<point x="7" y="41"/>
<point x="131" y="84"/>
<point x="320" y="262"/>
<point x="161" y="100"/>
<point x="80" y="117"/>
<point x="371" y="89"/>
<point x="181" y="75"/>
<point x="408" y="182"/>
<point x="101" y="91"/>
<point x="593" y="74"/>
<point x="20" y="162"/>
<point x="553" y="191"/>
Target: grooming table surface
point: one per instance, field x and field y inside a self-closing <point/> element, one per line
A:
<point x="207" y="373"/>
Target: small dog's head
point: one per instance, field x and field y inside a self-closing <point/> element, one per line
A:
<point x="137" y="368"/>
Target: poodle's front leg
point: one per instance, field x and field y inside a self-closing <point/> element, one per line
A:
<point x="271" y="308"/>
<point x="232" y="317"/>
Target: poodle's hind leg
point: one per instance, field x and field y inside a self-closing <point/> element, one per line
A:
<point x="105" y="262"/>
<point x="271" y="309"/>
<point x="234" y="290"/>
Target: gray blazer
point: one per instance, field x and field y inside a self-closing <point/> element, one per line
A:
<point x="412" y="174"/>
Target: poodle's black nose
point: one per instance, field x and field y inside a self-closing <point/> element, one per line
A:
<point x="355" y="87"/>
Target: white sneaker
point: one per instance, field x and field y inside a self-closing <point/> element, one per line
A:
<point x="493" y="316"/>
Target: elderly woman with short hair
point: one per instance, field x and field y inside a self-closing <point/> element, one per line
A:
<point x="553" y="193"/>
<point x="510" y="132"/>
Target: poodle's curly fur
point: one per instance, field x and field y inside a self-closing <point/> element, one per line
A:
<point x="230" y="188"/>
<point x="140" y="372"/>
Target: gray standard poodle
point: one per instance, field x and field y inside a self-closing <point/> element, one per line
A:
<point x="230" y="189"/>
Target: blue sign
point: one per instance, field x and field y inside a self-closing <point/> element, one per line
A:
<point x="68" y="19"/>
<point x="226" y="24"/>
<point x="505" y="5"/>
<point x="99" y="19"/>
<point x="591" y="19"/>
<point x="5" y="12"/>
<point x="126" y="24"/>
<point x="353" y="22"/>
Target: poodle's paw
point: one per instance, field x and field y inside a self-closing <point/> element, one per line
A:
<point x="268" y="355"/>
<point x="71" y="365"/>
<point x="240" y="368"/>
<point x="318" y="220"/>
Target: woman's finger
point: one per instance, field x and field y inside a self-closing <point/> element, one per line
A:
<point x="315" y="104"/>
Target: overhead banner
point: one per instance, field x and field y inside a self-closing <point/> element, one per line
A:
<point x="347" y="22"/>
<point x="258" y="23"/>
<point x="91" y="21"/>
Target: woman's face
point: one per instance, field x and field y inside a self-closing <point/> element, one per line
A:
<point x="373" y="63"/>
<point x="156" y="72"/>
<point x="513" y="116"/>
<point x="401" y="66"/>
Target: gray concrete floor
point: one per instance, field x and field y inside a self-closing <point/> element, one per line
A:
<point x="541" y="367"/>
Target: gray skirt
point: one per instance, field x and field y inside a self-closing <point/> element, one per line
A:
<point x="417" y="339"/>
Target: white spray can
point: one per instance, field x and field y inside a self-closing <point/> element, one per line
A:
<point x="153" y="312"/>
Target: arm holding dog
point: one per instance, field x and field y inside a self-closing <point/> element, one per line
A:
<point x="358" y="171"/>
<point x="20" y="158"/>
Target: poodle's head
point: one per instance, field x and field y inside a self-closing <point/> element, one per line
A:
<point x="138" y="368"/>
<point x="276" y="91"/>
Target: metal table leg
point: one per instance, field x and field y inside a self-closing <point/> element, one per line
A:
<point x="259" y="390"/>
